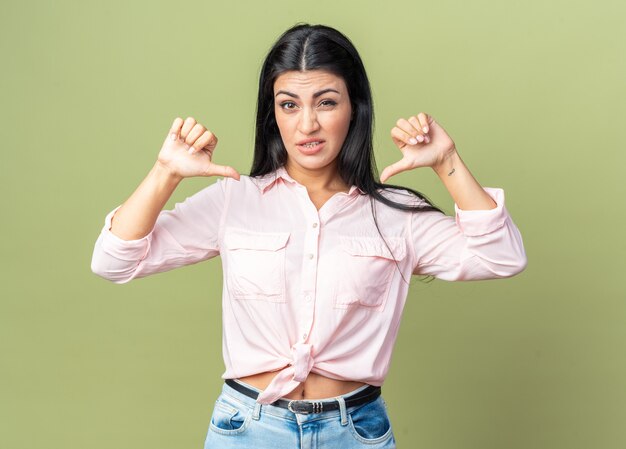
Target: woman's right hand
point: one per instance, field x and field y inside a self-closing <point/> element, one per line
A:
<point x="188" y="151"/>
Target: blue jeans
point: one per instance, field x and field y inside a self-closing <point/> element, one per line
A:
<point x="239" y="421"/>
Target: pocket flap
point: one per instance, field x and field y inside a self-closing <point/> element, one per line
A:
<point x="265" y="241"/>
<point x="374" y="246"/>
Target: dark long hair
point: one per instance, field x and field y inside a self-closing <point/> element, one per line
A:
<point x="312" y="47"/>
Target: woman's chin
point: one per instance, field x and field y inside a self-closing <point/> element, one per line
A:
<point x="313" y="163"/>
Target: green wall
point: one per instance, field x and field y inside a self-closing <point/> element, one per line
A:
<point x="533" y="94"/>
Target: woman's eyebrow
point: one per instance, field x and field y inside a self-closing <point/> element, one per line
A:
<point x="315" y="95"/>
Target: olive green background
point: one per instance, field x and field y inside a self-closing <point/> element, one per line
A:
<point x="533" y="94"/>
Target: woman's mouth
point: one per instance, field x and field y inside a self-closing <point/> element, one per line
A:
<point x="311" y="147"/>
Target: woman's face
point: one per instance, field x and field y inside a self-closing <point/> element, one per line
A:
<point x="312" y="106"/>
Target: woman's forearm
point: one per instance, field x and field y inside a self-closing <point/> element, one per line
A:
<point x="137" y="216"/>
<point x="466" y="192"/>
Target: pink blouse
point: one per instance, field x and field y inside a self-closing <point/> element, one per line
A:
<point x="307" y="290"/>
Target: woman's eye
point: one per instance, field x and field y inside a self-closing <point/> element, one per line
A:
<point x="290" y="105"/>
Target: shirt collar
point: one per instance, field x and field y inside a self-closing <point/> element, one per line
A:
<point x="267" y="181"/>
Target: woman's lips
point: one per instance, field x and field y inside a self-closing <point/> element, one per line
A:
<point x="308" y="150"/>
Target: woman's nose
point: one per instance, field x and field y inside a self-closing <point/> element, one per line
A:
<point x="308" y="122"/>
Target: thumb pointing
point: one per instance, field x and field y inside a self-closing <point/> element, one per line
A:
<point x="393" y="169"/>
<point x="227" y="171"/>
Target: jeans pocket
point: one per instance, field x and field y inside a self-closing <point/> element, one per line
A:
<point x="230" y="417"/>
<point x="370" y="423"/>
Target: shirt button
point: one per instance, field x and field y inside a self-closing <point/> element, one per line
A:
<point x="315" y="225"/>
<point x="304" y="336"/>
<point x="307" y="298"/>
<point x="311" y="256"/>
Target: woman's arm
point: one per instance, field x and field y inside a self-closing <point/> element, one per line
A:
<point x="466" y="192"/>
<point x="139" y="238"/>
<point x="424" y="143"/>
<point x="185" y="235"/>
<point x="187" y="151"/>
<point x="136" y="217"/>
<point x="472" y="245"/>
<point x="481" y="241"/>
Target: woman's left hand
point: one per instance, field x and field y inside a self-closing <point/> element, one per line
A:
<point x="433" y="149"/>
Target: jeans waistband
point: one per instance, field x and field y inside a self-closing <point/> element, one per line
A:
<point x="286" y="413"/>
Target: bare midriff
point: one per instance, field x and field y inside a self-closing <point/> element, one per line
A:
<point x="315" y="386"/>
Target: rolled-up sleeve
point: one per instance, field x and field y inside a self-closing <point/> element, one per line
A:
<point x="185" y="235"/>
<point x="473" y="245"/>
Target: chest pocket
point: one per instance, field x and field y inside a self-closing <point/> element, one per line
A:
<point x="255" y="265"/>
<point x="365" y="270"/>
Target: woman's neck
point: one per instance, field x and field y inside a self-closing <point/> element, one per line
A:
<point x="324" y="179"/>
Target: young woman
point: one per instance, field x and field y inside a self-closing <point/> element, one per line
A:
<point x="316" y="252"/>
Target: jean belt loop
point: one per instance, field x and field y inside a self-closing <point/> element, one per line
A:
<point x="342" y="410"/>
<point x="256" y="414"/>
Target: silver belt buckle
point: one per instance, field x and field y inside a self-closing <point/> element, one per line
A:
<point x="289" y="406"/>
<point x="317" y="407"/>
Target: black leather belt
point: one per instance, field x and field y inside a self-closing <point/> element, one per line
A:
<point x="308" y="406"/>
